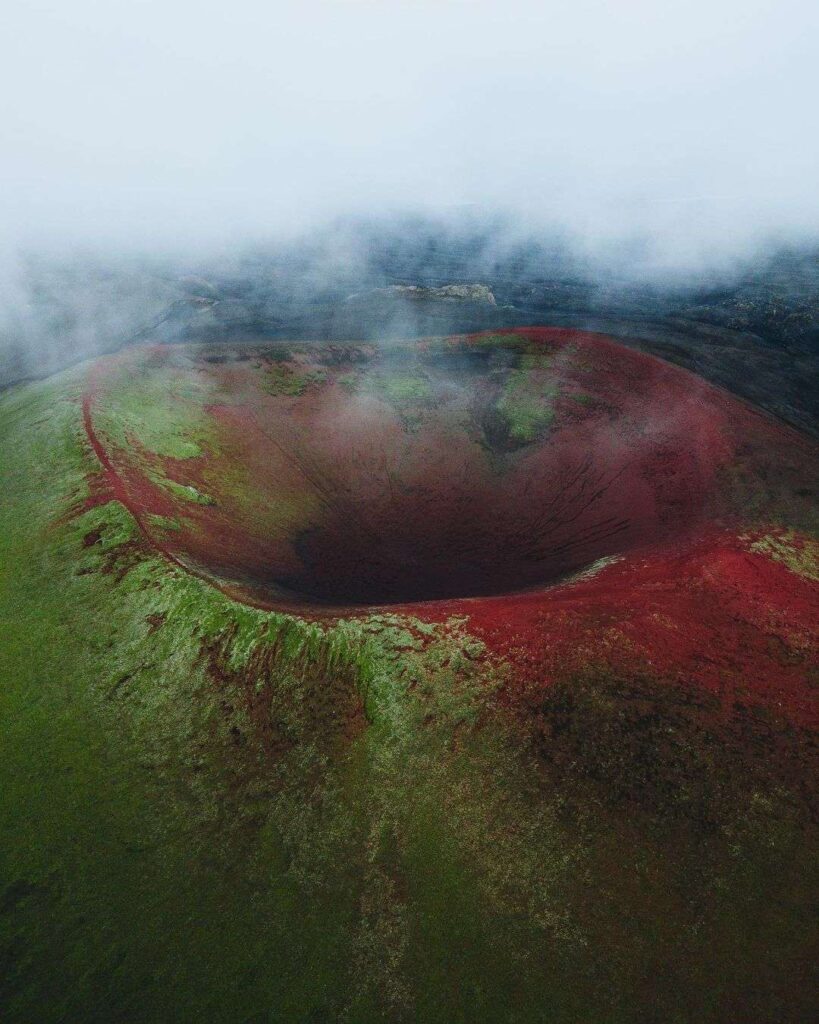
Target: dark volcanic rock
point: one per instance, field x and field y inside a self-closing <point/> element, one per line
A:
<point x="470" y="293"/>
<point x="755" y="333"/>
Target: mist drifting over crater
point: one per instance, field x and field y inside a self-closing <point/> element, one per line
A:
<point x="294" y="155"/>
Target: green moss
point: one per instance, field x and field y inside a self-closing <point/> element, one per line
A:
<point x="408" y="391"/>
<point x="290" y="379"/>
<point x="154" y="409"/>
<point x="799" y="553"/>
<point x="163" y="523"/>
<point x="398" y="388"/>
<point x="527" y="398"/>
<point x="294" y="508"/>
<point x="406" y="388"/>
<point x="187" y="492"/>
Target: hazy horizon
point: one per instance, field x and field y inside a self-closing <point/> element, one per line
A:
<point x="155" y="125"/>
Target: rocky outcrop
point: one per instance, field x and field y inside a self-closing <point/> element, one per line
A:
<point x="474" y="293"/>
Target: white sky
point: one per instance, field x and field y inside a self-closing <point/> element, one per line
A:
<point x="696" y="119"/>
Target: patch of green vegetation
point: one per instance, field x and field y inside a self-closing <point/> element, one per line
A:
<point x="527" y="400"/>
<point x="407" y="390"/>
<point x="799" y="553"/>
<point x="279" y="353"/>
<point x="294" y="508"/>
<point x="350" y="381"/>
<point x="528" y="417"/>
<point x="186" y="492"/>
<point x="145" y="407"/>
<point x="410" y="388"/>
<point x="401" y="388"/>
<point x="163" y="523"/>
<point x="291" y="379"/>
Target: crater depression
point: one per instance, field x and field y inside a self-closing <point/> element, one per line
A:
<point x="348" y="475"/>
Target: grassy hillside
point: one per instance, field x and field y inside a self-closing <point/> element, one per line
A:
<point x="213" y="813"/>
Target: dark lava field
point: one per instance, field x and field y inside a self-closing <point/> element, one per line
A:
<point x="752" y="327"/>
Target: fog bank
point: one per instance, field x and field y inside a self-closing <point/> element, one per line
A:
<point x="163" y="122"/>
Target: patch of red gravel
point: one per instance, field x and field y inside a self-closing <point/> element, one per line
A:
<point x="713" y="614"/>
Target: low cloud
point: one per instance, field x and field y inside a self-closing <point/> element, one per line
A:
<point x="654" y="141"/>
<point x="166" y="122"/>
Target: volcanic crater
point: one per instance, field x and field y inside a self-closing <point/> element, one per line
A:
<point x="342" y="475"/>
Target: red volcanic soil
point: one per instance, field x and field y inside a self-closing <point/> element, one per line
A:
<point x="340" y="479"/>
<point x="713" y="614"/>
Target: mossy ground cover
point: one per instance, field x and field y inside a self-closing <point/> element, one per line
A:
<point x="527" y="399"/>
<point x="282" y="378"/>
<point x="166" y="413"/>
<point x="406" y="389"/>
<point x="211" y="812"/>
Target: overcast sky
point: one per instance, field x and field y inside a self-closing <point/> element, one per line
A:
<point x="696" y="119"/>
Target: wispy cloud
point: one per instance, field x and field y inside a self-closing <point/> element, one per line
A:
<point x="152" y="120"/>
